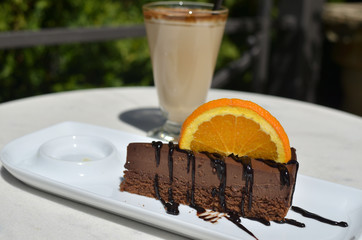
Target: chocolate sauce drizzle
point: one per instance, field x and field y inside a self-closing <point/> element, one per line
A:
<point x="284" y="173"/>
<point x="191" y="196"/>
<point x="171" y="148"/>
<point x="218" y="164"/>
<point x="170" y="206"/>
<point x="157" y="146"/>
<point x="291" y="222"/>
<point x="314" y="216"/>
<point x="296" y="174"/>
<point x="235" y="218"/>
<point x="249" y="181"/>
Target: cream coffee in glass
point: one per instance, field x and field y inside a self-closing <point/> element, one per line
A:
<point x="184" y="40"/>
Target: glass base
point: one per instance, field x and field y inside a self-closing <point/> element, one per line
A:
<point x="169" y="132"/>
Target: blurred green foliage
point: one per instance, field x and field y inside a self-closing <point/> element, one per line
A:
<point x="45" y="69"/>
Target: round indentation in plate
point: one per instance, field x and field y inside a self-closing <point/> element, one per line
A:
<point x="78" y="156"/>
<point x="77" y="149"/>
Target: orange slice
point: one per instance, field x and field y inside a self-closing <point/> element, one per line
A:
<point x="234" y="126"/>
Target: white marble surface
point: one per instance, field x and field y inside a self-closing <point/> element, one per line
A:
<point x="328" y="143"/>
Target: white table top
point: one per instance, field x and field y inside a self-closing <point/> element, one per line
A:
<point x="328" y="143"/>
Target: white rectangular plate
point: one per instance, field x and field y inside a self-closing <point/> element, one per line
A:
<point x="332" y="201"/>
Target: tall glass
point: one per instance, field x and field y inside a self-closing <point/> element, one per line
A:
<point x="184" y="40"/>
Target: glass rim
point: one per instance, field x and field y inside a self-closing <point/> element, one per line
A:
<point x="206" y="7"/>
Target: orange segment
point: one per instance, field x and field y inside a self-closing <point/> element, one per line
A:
<point x="227" y="126"/>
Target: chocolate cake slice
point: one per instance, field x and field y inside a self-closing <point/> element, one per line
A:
<point x="241" y="186"/>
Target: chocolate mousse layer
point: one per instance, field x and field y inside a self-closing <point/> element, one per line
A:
<point x="251" y="188"/>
